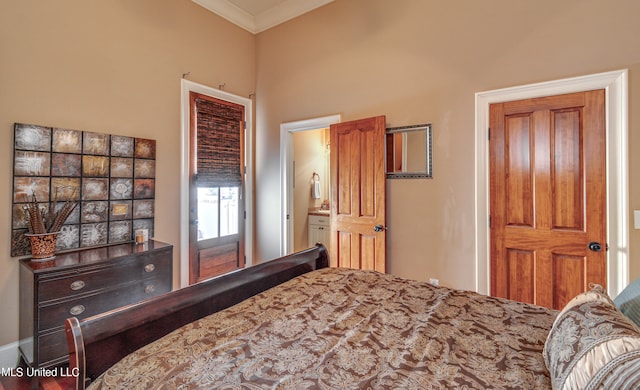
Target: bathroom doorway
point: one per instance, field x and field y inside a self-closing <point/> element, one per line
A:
<point x="305" y="156"/>
<point x="310" y="188"/>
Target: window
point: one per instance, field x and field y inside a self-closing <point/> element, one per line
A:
<point x="218" y="174"/>
<point x="218" y="211"/>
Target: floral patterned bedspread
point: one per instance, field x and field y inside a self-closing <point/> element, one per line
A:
<point x="349" y="329"/>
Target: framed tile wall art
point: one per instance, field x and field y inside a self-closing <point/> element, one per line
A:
<point x="112" y="178"/>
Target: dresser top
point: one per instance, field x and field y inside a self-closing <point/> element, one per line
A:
<point x="89" y="256"/>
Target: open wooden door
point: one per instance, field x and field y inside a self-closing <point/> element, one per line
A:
<point x="358" y="194"/>
<point x="548" y="197"/>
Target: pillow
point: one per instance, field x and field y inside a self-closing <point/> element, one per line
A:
<point x="592" y="345"/>
<point x="628" y="301"/>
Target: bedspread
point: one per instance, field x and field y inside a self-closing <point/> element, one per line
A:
<point x="349" y="329"/>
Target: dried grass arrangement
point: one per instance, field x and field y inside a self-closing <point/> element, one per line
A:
<point x="41" y="220"/>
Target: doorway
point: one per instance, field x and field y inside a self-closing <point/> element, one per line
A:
<point x="357" y="177"/>
<point x="287" y="132"/>
<point x="186" y="88"/>
<point x="217" y="197"/>
<point x="310" y="188"/>
<point x="615" y="85"/>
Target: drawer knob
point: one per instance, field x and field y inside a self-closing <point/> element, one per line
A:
<point x="76" y="310"/>
<point x="149" y="268"/>
<point x="77" y="285"/>
<point x="150" y="289"/>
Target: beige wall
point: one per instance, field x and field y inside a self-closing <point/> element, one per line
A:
<point x="310" y="155"/>
<point x="419" y="61"/>
<point x="111" y="67"/>
<point x="115" y="66"/>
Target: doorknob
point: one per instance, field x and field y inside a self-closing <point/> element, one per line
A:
<point x="379" y="228"/>
<point x="595" y="246"/>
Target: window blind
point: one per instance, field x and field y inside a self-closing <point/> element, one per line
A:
<point x="219" y="127"/>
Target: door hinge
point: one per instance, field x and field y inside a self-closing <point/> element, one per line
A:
<point x="245" y="214"/>
<point x="489" y="133"/>
<point x="489" y="222"/>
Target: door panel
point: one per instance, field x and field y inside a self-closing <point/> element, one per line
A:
<point x="219" y="259"/>
<point x="568" y="274"/>
<point x="521" y="267"/>
<point x="519" y="172"/>
<point x="547" y="188"/>
<point x="358" y="194"/>
<point x="567" y="171"/>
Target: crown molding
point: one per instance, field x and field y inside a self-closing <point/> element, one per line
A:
<point x="282" y="12"/>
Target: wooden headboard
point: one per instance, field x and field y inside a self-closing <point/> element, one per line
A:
<point x="98" y="342"/>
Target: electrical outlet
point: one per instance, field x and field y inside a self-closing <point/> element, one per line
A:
<point x="434" y="281"/>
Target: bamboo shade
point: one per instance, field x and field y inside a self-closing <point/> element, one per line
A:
<point x="219" y="148"/>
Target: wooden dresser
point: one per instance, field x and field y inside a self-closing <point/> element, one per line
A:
<point x="84" y="283"/>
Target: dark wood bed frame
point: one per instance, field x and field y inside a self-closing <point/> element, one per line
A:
<point x="96" y="343"/>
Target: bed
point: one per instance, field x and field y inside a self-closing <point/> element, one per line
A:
<point x="295" y="323"/>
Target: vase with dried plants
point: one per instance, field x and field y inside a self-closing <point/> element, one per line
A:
<point x="44" y="223"/>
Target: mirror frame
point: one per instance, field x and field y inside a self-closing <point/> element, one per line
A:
<point x="428" y="171"/>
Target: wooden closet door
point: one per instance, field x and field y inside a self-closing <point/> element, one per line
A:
<point x="548" y="197"/>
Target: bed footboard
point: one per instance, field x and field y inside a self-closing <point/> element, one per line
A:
<point x="98" y="342"/>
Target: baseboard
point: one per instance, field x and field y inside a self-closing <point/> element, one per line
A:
<point x="9" y="355"/>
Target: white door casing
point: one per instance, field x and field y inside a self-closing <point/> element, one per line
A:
<point x="615" y="85"/>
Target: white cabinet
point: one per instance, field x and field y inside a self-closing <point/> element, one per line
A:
<point x="319" y="230"/>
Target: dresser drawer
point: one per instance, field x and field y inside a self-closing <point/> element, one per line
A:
<point x="53" y="315"/>
<point x="52" y="347"/>
<point x="319" y="220"/>
<point x="80" y="282"/>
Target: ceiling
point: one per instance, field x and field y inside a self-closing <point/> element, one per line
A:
<point x="259" y="15"/>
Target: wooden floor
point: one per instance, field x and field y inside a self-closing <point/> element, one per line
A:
<point x="14" y="383"/>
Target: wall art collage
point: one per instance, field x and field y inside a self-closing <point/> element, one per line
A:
<point x="111" y="179"/>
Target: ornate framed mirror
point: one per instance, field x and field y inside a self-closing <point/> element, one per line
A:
<point x="408" y="151"/>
